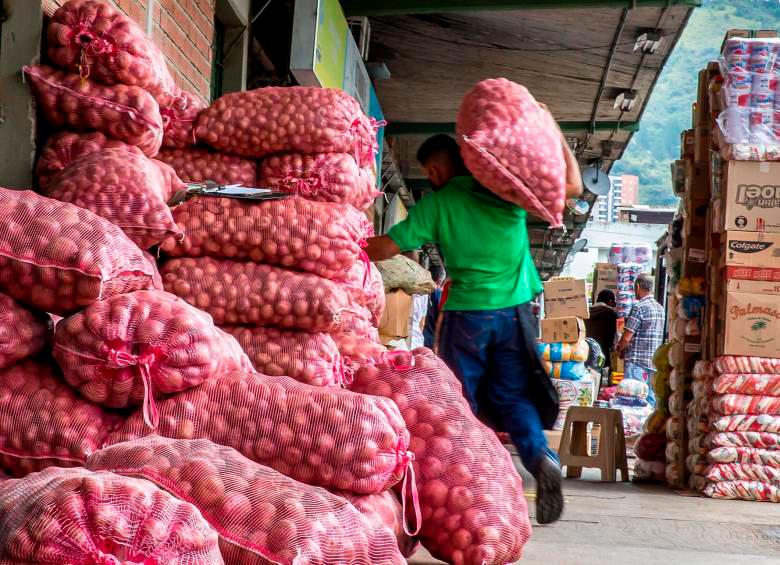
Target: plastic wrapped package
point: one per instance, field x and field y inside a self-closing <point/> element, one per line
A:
<point x="260" y="515"/>
<point x="316" y="237"/>
<point x="745" y="455"/>
<point x="22" y="333"/>
<point x="697" y="464"/>
<point x="557" y="352"/>
<point x="261" y="295"/>
<point x="367" y="287"/>
<point x="324" y="177"/>
<point x="572" y="393"/>
<point x="728" y="404"/>
<point x="755" y="384"/>
<point x="400" y="272"/>
<point x="513" y="147"/>
<point x="743" y="472"/>
<point x="633" y="417"/>
<point x="638" y="254"/>
<point x="651" y="447"/>
<point x="655" y="423"/>
<point x="195" y="164"/>
<point x="747" y="423"/>
<point x="649" y="471"/>
<point x="311" y="358"/>
<point x="692" y="286"/>
<point x="130" y="349"/>
<point x="762" y="440"/>
<point x="43" y="422"/>
<point x="385" y="508"/>
<point x="179" y="117"/>
<point x="677" y="404"/>
<point x="94" y="39"/>
<point x="322" y="436"/>
<point x="675" y="475"/>
<point x="567" y="370"/>
<point x="59" y="258"/>
<point x="661" y="358"/>
<point x="677" y="328"/>
<point x="473" y="509"/>
<point x="677" y="380"/>
<point x="735" y="364"/>
<point x="302" y="119"/>
<point x="634" y="388"/>
<point x="125" y="188"/>
<point x="743" y="490"/>
<point x="125" y="113"/>
<point x="65" y="516"/>
<point x="702" y="370"/>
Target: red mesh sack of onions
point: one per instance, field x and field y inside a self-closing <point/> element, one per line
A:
<point x="357" y="349"/>
<point x="513" y="147"/>
<point x="22" y="333"/>
<point x="261" y="516"/>
<point x="302" y="119"/>
<point x="59" y="258"/>
<point x="473" y="509"/>
<point x="260" y="295"/>
<point x="43" y="422"/>
<point x="385" y="508"/>
<point x="130" y="349"/>
<point x="179" y="117"/>
<point x="194" y="164"/>
<point x="68" y="516"/>
<point x="310" y="358"/>
<point x="368" y="289"/>
<point x="127" y="189"/>
<point x="126" y="113"/>
<point x="321" y="436"/>
<point x="316" y="237"/>
<point x="97" y="41"/>
<point x="324" y="177"/>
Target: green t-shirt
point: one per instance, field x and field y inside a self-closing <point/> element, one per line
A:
<point x="484" y="242"/>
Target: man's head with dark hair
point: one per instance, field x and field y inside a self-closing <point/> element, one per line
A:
<point x="607" y="297"/>
<point x="440" y="159"/>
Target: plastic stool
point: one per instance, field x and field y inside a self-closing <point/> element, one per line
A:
<point x="611" y="456"/>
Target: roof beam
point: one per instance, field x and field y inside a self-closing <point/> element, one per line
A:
<point x="430" y="128"/>
<point x="406" y="7"/>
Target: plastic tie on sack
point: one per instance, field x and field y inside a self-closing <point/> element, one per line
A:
<point x="409" y="484"/>
<point x="396" y="360"/>
<point x="121" y="360"/>
<point x="345" y="373"/>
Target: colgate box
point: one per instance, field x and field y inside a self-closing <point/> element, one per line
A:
<point x="749" y="197"/>
<point x="751" y="256"/>
<point x="750" y="325"/>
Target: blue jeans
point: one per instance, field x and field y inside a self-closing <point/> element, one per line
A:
<point x="487" y="350"/>
<point x="639" y="373"/>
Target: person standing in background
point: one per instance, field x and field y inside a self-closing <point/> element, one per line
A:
<point x="643" y="333"/>
<point x="434" y="307"/>
<point x="602" y="324"/>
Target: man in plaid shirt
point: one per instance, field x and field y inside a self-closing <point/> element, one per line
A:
<point x="642" y="334"/>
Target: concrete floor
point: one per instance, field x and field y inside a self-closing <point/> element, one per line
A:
<point x="628" y="524"/>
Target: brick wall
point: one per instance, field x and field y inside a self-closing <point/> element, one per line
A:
<point x="183" y="29"/>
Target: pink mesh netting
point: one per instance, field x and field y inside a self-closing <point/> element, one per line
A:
<point x="59" y="258"/>
<point x="260" y="295"/>
<point x="323" y="436"/>
<point x="127" y="189"/>
<point x="368" y="289"/>
<point x="310" y="358"/>
<point x="747" y="423"/>
<point x="320" y="238"/>
<point x="261" y="516"/>
<point x="513" y="147"/>
<point x="130" y="349"/>
<point x="385" y="508"/>
<point x="94" y="39"/>
<point x="126" y="113"/>
<point x="69" y="516"/>
<point x="471" y="496"/>
<point x="179" y="119"/>
<point x="43" y="422"/>
<point x="303" y="119"/>
<point x="22" y="333"/>
<point x="194" y="164"/>
<point x="357" y="349"/>
<point x="324" y="177"/>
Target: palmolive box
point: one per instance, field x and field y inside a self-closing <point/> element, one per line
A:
<point x="751" y="255"/>
<point x="750" y="325"/>
<point x="749" y="196"/>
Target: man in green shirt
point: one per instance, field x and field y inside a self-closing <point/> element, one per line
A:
<point x="488" y="334"/>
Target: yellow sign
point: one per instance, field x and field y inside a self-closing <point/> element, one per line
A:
<point x="331" y="44"/>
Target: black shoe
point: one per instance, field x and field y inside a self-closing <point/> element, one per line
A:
<point x="549" y="494"/>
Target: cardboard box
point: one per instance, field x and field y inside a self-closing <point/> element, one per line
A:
<point x="749" y="33"/>
<point x="688" y="144"/>
<point x="562" y="330"/>
<point x="749" y="196"/>
<point x="604" y="278"/>
<point x="752" y="287"/>
<point x="565" y="297"/>
<point x="395" y="320"/>
<point x="751" y="255"/>
<point x="750" y="325"/>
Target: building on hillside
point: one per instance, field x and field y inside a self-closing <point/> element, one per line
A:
<point x="625" y="191"/>
<point x="643" y="214"/>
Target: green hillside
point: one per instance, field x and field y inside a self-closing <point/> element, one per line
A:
<point x="669" y="110"/>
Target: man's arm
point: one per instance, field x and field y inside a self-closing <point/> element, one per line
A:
<point x="381" y="247"/>
<point x="625" y="341"/>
